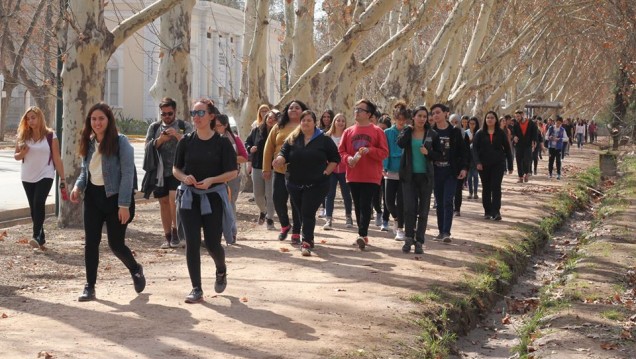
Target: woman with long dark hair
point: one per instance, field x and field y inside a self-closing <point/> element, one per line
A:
<point x="107" y="178"/>
<point x="289" y="120"/>
<point x="222" y="127"/>
<point x="311" y="157"/>
<point x="39" y="150"/>
<point x="473" y="174"/>
<point x="491" y="151"/>
<point x="204" y="162"/>
<point x="255" y="144"/>
<point x="421" y="147"/>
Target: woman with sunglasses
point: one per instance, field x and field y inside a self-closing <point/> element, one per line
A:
<point x="204" y="162"/>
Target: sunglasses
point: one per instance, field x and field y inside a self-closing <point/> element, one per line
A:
<point x="199" y="113"/>
<point x="164" y="114"/>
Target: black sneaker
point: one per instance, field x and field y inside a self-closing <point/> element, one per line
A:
<point x="305" y="249"/>
<point x="34" y="243"/>
<point x="220" y="283"/>
<point x="295" y="239"/>
<point x="408" y="242"/>
<point x="195" y="296"/>
<point x="261" y="218"/>
<point x="456" y="213"/>
<point x="283" y="233"/>
<point x="139" y="280"/>
<point x="496" y="217"/>
<point x="446" y="238"/>
<point x="418" y="248"/>
<point x="88" y="294"/>
<point x="487" y="216"/>
<point x="270" y="225"/>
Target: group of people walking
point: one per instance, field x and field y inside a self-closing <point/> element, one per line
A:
<point x="297" y="160"/>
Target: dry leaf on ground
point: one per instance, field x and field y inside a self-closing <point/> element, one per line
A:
<point x="284" y="250"/>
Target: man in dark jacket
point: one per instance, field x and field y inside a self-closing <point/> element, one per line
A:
<point x="163" y="135"/>
<point x="451" y="167"/>
<point x="524" y="138"/>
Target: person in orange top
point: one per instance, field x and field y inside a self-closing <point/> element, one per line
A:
<point x="363" y="147"/>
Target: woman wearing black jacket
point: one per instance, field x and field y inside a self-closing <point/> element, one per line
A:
<point x="421" y="147"/>
<point x="311" y="157"/>
<point x="491" y="150"/>
<point x="255" y="144"/>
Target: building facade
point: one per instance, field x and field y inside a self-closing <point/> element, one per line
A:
<point x="216" y="51"/>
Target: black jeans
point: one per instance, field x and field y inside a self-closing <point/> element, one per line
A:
<point x="212" y="225"/>
<point x="459" y="189"/>
<point x="362" y="194"/>
<point x="535" y="157"/>
<point x="523" y="156"/>
<point x="377" y="200"/>
<point x="36" y="194"/>
<point x="99" y="209"/>
<point x="280" y="197"/>
<point x="393" y="201"/>
<point x="554" y="155"/>
<point x="491" y="178"/>
<point x="417" y="202"/>
<point x="307" y="200"/>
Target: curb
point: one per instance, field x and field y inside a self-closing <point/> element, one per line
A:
<point x="14" y="217"/>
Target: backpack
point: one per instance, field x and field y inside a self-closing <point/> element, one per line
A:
<point x="155" y="126"/>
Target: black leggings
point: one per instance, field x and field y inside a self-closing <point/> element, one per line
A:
<point x="393" y="201"/>
<point x="362" y="194"/>
<point x="554" y="155"/>
<point x="212" y="225"/>
<point x="307" y="201"/>
<point x="99" y="209"/>
<point x="280" y="196"/>
<point x="36" y="194"/>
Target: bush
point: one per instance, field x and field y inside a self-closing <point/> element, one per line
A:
<point x="131" y="126"/>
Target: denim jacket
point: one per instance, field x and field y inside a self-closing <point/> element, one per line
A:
<point x="118" y="171"/>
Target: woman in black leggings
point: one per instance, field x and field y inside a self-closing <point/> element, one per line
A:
<point x="204" y="163"/>
<point x="107" y="179"/>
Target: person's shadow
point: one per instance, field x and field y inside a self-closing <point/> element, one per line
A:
<point x="263" y="319"/>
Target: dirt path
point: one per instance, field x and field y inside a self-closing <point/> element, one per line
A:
<point x="338" y="303"/>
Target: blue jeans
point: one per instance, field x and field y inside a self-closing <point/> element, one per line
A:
<point x="579" y="140"/>
<point x="334" y="180"/>
<point x="445" y="184"/>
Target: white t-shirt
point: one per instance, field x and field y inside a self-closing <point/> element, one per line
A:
<point x="36" y="164"/>
<point x="95" y="167"/>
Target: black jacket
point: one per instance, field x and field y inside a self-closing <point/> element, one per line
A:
<point x="525" y="141"/>
<point x="151" y="159"/>
<point x="458" y="154"/>
<point x="306" y="164"/>
<point x="489" y="154"/>
<point x="256" y="138"/>
<point x="432" y="144"/>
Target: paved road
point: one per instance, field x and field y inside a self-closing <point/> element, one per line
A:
<point x="13" y="196"/>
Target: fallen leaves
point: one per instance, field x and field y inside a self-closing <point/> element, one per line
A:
<point x="4" y="316"/>
<point x="609" y="346"/>
<point x="323" y="241"/>
<point x="45" y="355"/>
<point x="244" y="299"/>
<point x="506" y="319"/>
<point x="3" y="235"/>
<point x="23" y="241"/>
<point x="522" y="306"/>
<point x="284" y="250"/>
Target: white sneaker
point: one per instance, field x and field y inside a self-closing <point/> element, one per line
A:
<point x="399" y="236"/>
